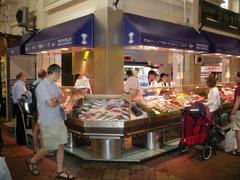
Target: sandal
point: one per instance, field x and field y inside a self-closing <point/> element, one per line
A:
<point x="235" y="152"/>
<point x="64" y="175"/>
<point x="32" y="167"/>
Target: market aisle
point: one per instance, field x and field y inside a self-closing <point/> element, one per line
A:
<point x="170" y="166"/>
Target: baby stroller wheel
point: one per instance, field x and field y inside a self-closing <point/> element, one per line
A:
<point x="182" y="147"/>
<point x="206" y="152"/>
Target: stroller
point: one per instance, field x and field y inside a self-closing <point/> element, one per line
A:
<point x="198" y="128"/>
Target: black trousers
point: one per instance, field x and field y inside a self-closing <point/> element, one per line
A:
<point x="20" y="132"/>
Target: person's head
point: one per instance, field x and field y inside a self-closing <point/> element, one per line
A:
<point x="129" y="73"/>
<point x="54" y="72"/>
<point x="211" y="81"/>
<point x="164" y="77"/>
<point x="42" y="74"/>
<point x="152" y="75"/>
<point x="76" y="77"/>
<point x="237" y="77"/>
<point x="22" y="76"/>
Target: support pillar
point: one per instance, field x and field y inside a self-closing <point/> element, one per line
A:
<point x="108" y="52"/>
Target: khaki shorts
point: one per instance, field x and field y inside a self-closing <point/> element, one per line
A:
<point x="54" y="135"/>
<point x="236" y="121"/>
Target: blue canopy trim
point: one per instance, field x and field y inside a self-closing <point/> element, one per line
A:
<point x="19" y="47"/>
<point x="139" y="30"/>
<point x="74" y="33"/>
<point x="222" y="44"/>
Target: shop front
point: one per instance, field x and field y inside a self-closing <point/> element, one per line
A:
<point x="107" y="120"/>
<point x="17" y="60"/>
<point x="101" y="123"/>
<point x="68" y="44"/>
<point x="224" y="53"/>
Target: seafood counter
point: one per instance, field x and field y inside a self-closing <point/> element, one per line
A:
<point x="117" y="114"/>
<point x="107" y="119"/>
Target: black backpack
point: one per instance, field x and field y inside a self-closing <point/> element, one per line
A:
<point x="33" y="104"/>
<point x="28" y="101"/>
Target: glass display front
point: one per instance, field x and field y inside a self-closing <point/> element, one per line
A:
<point x="110" y="107"/>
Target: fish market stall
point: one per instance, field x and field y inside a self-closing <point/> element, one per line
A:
<point x="107" y="120"/>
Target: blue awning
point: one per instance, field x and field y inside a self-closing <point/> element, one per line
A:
<point x="74" y="33"/>
<point x="19" y="47"/>
<point x="222" y="44"/>
<point x="139" y="30"/>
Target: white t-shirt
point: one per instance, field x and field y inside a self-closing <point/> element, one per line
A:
<point x="155" y="84"/>
<point x="162" y="84"/>
<point x="214" y="101"/>
<point x="131" y="83"/>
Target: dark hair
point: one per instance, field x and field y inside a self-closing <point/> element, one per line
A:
<point x="163" y="74"/>
<point x="129" y="73"/>
<point x="42" y="73"/>
<point x="211" y="81"/>
<point x="76" y="77"/>
<point x="53" y="68"/>
<point x="238" y="74"/>
<point x="20" y="74"/>
<point x="152" y="72"/>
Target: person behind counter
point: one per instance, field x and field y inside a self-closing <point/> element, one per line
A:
<point x="152" y="76"/>
<point x="164" y="80"/>
<point x="80" y="76"/>
<point x="17" y="90"/>
<point x="235" y="115"/>
<point x="131" y="84"/>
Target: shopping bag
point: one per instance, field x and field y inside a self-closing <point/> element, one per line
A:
<point x="229" y="144"/>
<point x="4" y="172"/>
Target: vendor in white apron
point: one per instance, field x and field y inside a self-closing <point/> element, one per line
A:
<point x="164" y="82"/>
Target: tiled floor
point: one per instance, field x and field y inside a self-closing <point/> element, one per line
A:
<point x="167" y="167"/>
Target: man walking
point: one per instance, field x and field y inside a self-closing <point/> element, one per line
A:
<point x="54" y="131"/>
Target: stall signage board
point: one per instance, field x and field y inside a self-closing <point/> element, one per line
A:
<point x="150" y="40"/>
<point x="214" y="16"/>
<point x="211" y="68"/>
<point x="50" y="44"/>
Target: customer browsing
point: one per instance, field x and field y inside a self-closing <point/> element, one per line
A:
<point x="54" y="131"/>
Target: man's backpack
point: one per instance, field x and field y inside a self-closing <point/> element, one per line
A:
<point x="29" y="101"/>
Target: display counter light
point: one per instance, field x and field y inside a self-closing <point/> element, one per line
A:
<point x="44" y="52"/>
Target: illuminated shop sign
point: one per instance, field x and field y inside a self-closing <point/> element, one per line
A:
<point x="214" y="16"/>
<point x="168" y="43"/>
<point x="50" y="44"/>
